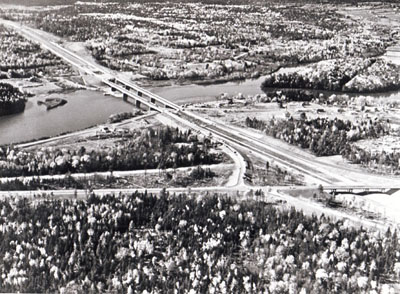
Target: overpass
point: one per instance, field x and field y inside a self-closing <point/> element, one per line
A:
<point x="319" y="172"/>
<point x="360" y="189"/>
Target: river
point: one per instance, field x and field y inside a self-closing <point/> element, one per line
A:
<point x="201" y="93"/>
<point x="87" y="108"/>
<point x="84" y="109"/>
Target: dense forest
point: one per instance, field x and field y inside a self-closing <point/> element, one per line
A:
<point x="357" y="75"/>
<point x="220" y="2"/>
<point x="11" y="99"/>
<point x="322" y="136"/>
<point x="69" y="2"/>
<point x="141" y="243"/>
<point x="149" y="149"/>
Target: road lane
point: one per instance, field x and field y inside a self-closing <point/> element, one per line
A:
<point x="320" y="172"/>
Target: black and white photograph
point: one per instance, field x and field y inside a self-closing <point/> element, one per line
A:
<point x="209" y="146"/>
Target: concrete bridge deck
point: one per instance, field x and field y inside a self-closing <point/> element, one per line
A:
<point x="361" y="189"/>
<point x="140" y="95"/>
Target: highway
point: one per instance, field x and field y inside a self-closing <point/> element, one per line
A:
<point x="224" y="133"/>
<point x="237" y="142"/>
<point x="320" y="173"/>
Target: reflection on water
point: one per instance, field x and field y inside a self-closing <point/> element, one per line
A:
<point x="84" y="109"/>
<point x="201" y="93"/>
<point x="88" y="108"/>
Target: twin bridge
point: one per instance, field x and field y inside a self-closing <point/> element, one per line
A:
<point x="140" y="97"/>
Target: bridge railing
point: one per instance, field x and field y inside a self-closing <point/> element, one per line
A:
<point x="131" y="94"/>
<point x="359" y="189"/>
<point x="142" y="91"/>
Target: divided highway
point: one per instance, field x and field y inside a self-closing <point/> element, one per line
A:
<point x="320" y="173"/>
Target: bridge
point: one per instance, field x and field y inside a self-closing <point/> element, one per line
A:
<point x="139" y="95"/>
<point x="320" y="172"/>
<point x="129" y="90"/>
<point x="360" y="189"/>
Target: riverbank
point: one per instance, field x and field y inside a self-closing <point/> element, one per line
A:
<point x="85" y="108"/>
<point x="82" y="116"/>
<point x="234" y="78"/>
<point x="8" y="108"/>
<point x="12" y="100"/>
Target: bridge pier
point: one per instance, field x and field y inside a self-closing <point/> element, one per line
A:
<point x="140" y="94"/>
<point x="113" y="89"/>
<point x="127" y="87"/>
<point x="152" y="100"/>
<point x="124" y="97"/>
<point x="137" y="104"/>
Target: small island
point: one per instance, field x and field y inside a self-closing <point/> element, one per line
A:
<point x="12" y="100"/>
<point x="51" y="103"/>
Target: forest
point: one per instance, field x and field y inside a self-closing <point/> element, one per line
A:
<point x="131" y="243"/>
<point x="219" y="2"/>
<point x="159" y="148"/>
<point x="322" y="136"/>
<point x="355" y="75"/>
<point x="389" y="160"/>
<point x="21" y="58"/>
<point x="11" y="99"/>
<point x="325" y="137"/>
<point x="206" y="43"/>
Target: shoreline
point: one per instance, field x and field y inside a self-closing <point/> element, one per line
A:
<point x="100" y="89"/>
<point x="46" y="139"/>
<point x="147" y="82"/>
<point x="386" y="92"/>
<point x="66" y="86"/>
<point x="10" y="108"/>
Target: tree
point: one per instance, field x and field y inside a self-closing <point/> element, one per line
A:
<point x="320" y="189"/>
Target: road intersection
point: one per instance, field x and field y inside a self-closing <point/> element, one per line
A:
<point x="236" y="141"/>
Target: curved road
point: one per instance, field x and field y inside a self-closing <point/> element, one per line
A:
<point x="319" y="172"/>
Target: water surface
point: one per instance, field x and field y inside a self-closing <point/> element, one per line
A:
<point x="84" y="109"/>
<point x="87" y="108"/>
